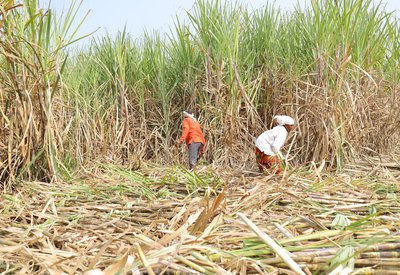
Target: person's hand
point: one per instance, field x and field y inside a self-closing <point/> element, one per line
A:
<point x="201" y="151"/>
<point x="179" y="144"/>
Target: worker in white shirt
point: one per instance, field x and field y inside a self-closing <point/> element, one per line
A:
<point x="269" y="143"/>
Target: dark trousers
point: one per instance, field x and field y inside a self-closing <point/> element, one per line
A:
<point x="194" y="150"/>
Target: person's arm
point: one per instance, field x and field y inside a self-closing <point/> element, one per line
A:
<point x="185" y="125"/>
<point x="279" y="141"/>
<point x="202" y="148"/>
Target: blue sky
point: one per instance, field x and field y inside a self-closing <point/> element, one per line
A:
<point x="139" y="15"/>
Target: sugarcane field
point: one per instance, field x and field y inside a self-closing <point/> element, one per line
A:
<point x="236" y="140"/>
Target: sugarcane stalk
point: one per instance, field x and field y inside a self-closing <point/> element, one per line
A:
<point x="369" y="271"/>
<point x="366" y="252"/>
<point x="284" y="231"/>
<point x="299" y="260"/>
<point x="358" y="263"/>
<point x="144" y="260"/>
<point x="385" y="254"/>
<point x="204" y="259"/>
<point x="177" y="267"/>
<point x="378" y="261"/>
<point x="272" y="244"/>
<point x="193" y="265"/>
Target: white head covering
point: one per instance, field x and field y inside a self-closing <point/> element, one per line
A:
<point x="189" y="115"/>
<point x="284" y="120"/>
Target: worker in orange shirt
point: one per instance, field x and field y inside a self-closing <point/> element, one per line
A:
<point x="193" y="136"/>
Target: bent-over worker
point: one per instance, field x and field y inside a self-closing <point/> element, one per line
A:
<point x="269" y="143"/>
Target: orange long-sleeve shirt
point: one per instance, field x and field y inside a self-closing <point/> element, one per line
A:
<point x="191" y="132"/>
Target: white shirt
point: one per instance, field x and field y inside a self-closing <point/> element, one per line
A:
<point x="271" y="141"/>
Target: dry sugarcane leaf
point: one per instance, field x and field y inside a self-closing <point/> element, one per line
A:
<point x="205" y="216"/>
<point x="117" y="267"/>
<point x="11" y="249"/>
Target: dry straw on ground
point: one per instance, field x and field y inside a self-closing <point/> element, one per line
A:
<point x="159" y="221"/>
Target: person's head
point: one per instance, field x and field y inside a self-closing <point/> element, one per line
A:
<point x="285" y="121"/>
<point x="274" y="122"/>
<point x="189" y="113"/>
<point x="289" y="127"/>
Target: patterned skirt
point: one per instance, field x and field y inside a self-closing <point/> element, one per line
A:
<point x="268" y="162"/>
